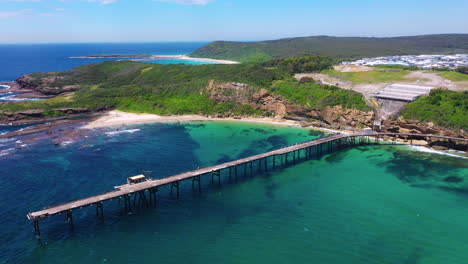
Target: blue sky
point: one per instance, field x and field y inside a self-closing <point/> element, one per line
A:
<point x="207" y="20"/>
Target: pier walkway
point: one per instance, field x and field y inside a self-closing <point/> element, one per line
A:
<point x="272" y="159"/>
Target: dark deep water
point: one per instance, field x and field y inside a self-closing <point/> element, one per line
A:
<point x="20" y="59"/>
<point x="374" y="204"/>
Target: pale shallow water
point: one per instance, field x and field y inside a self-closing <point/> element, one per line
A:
<point x="373" y="204"/>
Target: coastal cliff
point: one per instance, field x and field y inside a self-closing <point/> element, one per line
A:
<point x="48" y="86"/>
<point x="236" y="91"/>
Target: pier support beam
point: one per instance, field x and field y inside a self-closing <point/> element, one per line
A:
<point x="152" y="194"/>
<point x="142" y="198"/>
<point x="37" y="231"/>
<point x="196" y="179"/>
<point x="175" y="185"/>
<point x="217" y="174"/>
<point x="70" y="217"/>
<point x="128" y="205"/>
<point x="99" y="210"/>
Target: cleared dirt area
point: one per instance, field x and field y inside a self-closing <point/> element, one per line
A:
<point x="352" y="68"/>
<point x="420" y="78"/>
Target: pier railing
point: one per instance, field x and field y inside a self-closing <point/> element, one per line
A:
<point x="145" y="192"/>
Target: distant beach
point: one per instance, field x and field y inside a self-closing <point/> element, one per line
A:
<point x="119" y="118"/>
<point x="155" y="58"/>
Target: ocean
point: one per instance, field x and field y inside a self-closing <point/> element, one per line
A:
<point x="20" y="59"/>
<point x="369" y="204"/>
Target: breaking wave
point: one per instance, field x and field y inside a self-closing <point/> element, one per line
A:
<point x="428" y="150"/>
<point x="113" y="133"/>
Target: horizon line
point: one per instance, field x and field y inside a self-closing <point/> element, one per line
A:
<point x="209" y="41"/>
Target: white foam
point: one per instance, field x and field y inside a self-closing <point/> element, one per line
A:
<point x="4" y="140"/>
<point x="113" y="133"/>
<point x="13" y="98"/>
<point x="433" y="151"/>
<point x="65" y="143"/>
<point x="6" y="152"/>
<point x="4" y="86"/>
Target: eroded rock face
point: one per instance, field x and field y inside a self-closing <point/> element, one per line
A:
<point x="348" y="118"/>
<point x="267" y="101"/>
<point x="46" y="86"/>
<point x="333" y="117"/>
<point x="416" y="127"/>
<point x="40" y="115"/>
<point x="245" y="94"/>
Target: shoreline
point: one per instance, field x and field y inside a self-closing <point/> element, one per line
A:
<point x="116" y="118"/>
<point x="161" y="57"/>
<point x="185" y="57"/>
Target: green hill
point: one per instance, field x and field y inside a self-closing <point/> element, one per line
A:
<point x="334" y="47"/>
<point x="444" y="108"/>
<point x="176" y="89"/>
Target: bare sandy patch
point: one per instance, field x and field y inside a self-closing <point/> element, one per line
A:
<point x="117" y="118"/>
<point x="352" y="68"/>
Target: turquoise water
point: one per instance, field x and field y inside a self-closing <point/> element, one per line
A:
<point x="373" y="204"/>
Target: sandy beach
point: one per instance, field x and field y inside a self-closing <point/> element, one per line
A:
<point x="119" y="118"/>
<point x="186" y="57"/>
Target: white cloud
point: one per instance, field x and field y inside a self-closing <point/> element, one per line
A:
<point x="102" y="2"/>
<point x="20" y="0"/>
<point x="14" y="13"/>
<point x="187" y="2"/>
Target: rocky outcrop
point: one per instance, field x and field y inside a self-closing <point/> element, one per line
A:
<point x="245" y="94"/>
<point x="38" y="115"/>
<point x="332" y="117"/>
<point x="49" y="86"/>
<point x="335" y="117"/>
<point x="401" y="125"/>
<point x="267" y="101"/>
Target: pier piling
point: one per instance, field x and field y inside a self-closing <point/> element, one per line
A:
<point x="125" y="192"/>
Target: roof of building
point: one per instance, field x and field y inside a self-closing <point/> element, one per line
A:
<point x="402" y="92"/>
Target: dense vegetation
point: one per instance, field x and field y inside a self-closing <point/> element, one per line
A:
<point x="301" y="64"/>
<point x="161" y="89"/>
<point x="334" y="47"/>
<point x="182" y="89"/>
<point x="315" y="95"/>
<point x="463" y="70"/>
<point x="444" y="108"/>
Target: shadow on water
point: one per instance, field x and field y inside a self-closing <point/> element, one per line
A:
<point x="420" y="170"/>
<point x="269" y="144"/>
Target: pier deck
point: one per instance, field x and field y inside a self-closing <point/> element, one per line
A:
<point x="129" y="189"/>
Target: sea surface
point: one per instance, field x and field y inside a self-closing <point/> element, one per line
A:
<point x="369" y="204"/>
<point x="20" y="59"/>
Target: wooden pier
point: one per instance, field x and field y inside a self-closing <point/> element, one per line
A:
<point x="264" y="162"/>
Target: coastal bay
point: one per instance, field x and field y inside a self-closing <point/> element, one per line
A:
<point x="311" y="206"/>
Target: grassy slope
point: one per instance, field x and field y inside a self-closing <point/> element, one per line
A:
<point x="444" y="108"/>
<point x="335" y="47"/>
<point x="454" y="76"/>
<point x="315" y="95"/>
<point x="370" y="76"/>
<point x="162" y="89"/>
